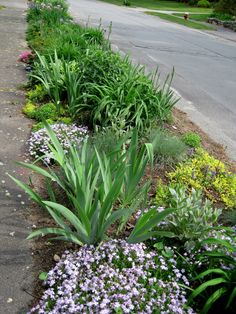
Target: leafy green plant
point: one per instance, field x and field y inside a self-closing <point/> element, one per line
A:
<point x="145" y="227"/>
<point x="218" y="283"/>
<point x="203" y="4"/>
<point x="192" y="139"/>
<point x="203" y="171"/>
<point x="29" y="109"/>
<point x="126" y="3"/>
<point x="72" y="85"/>
<point x="167" y="148"/>
<point x="103" y="87"/>
<point x="192" y="217"/>
<point x="48" y="73"/>
<point x="37" y="94"/>
<point x="96" y="187"/>
<point x="46" y="111"/>
<point x="226" y="6"/>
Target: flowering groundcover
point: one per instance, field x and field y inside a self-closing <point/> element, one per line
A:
<point x="115" y="277"/>
<point x="66" y="134"/>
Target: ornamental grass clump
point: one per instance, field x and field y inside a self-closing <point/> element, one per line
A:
<point x="115" y="277"/>
<point x="67" y="135"/>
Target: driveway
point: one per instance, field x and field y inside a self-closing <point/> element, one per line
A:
<point x="204" y="63"/>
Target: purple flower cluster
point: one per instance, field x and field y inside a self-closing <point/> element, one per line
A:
<point x="40" y="4"/>
<point x="66" y="134"/>
<point x="115" y="277"/>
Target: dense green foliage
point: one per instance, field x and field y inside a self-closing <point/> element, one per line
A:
<point x="86" y="80"/>
<point x="192" y="139"/>
<point x="205" y="172"/>
<point x="226" y="6"/>
<point x="100" y="184"/>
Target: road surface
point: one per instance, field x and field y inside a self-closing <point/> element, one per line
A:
<point x="205" y="64"/>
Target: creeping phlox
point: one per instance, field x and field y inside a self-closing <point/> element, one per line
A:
<point x="115" y="277"/>
<point x="66" y="134"/>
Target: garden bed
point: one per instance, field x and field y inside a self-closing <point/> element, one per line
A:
<point x="104" y="136"/>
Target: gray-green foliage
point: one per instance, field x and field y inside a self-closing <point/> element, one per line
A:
<point x="167" y="148"/>
<point x="100" y="189"/>
<point x="192" y="217"/>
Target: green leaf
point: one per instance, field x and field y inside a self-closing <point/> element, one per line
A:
<point x="34" y="196"/>
<point x="231" y="298"/>
<point x="153" y="220"/>
<point x="214" y="241"/>
<point x="159" y="246"/>
<point x="205" y="285"/>
<point x="212" y="271"/>
<point x="43" y="276"/>
<point x="69" y="216"/>
<point x="213" y="298"/>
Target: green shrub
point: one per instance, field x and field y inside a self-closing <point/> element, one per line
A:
<point x="65" y="120"/>
<point x="192" y="139"/>
<point x="203" y="4"/>
<point x="163" y="195"/>
<point x="29" y="109"/>
<point x="46" y="111"/>
<point x="192" y="217"/>
<point x="126" y="3"/>
<point x="37" y="94"/>
<point x="167" y="148"/>
<point x="205" y="172"/>
<point x="106" y="88"/>
<point x="192" y="2"/>
<point x="226" y="6"/>
<point x="222" y="16"/>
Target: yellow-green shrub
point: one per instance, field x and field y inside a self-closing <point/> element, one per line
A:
<point x="37" y="94"/>
<point x="65" y="120"/>
<point x="209" y="174"/>
<point x="29" y="109"/>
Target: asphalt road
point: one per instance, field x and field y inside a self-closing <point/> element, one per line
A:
<point x="205" y="64"/>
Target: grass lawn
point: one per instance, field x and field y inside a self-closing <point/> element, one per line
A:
<point x="181" y="21"/>
<point x="195" y="17"/>
<point x="162" y="5"/>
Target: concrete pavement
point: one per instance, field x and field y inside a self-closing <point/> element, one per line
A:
<point x="205" y="64"/>
<point x="15" y="255"/>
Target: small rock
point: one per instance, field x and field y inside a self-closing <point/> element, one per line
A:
<point x="174" y="127"/>
<point x="9" y="300"/>
<point x="56" y="258"/>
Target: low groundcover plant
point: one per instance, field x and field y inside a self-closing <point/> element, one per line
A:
<point x="66" y="134"/>
<point x="115" y="277"/>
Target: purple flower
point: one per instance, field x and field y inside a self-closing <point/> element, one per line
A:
<point x="99" y="280"/>
<point x="66" y="134"/>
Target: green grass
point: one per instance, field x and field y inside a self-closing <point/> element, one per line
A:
<point x="1" y="7"/>
<point x="195" y="17"/>
<point x="162" y="5"/>
<point x="181" y="21"/>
